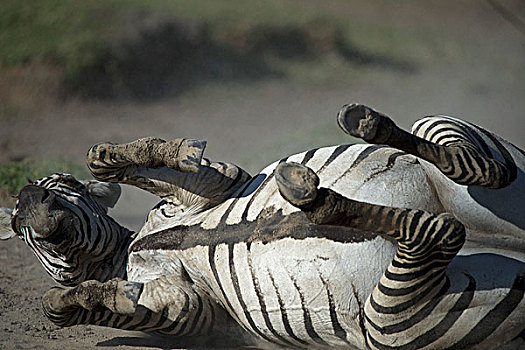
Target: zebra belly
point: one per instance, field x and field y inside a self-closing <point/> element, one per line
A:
<point x="293" y="292"/>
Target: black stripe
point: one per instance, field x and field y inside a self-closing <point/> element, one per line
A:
<point x="477" y="139"/>
<point x="183" y="312"/>
<point x="421" y="123"/>
<point x="104" y="318"/>
<point x="84" y="314"/>
<point x="197" y="316"/>
<point x="409" y="262"/>
<point x="211" y="260"/>
<point x="414" y="319"/>
<point x="336" y="326"/>
<point x="112" y="319"/>
<point x="403" y="277"/>
<point x="162" y="318"/>
<point x="306" y="317"/>
<point x="259" y="190"/>
<point x="115" y="321"/>
<point x="212" y="307"/>
<point x="450" y="163"/>
<point x="362" y="156"/>
<point x="242" y="194"/>
<point x="493" y="319"/>
<point x="125" y="322"/>
<point x="145" y="320"/>
<point x="397" y="292"/>
<point x="442" y="327"/>
<point x="509" y="161"/>
<point x="461" y="167"/>
<point x="72" y="319"/>
<point x="415" y="236"/>
<point x="391" y="310"/>
<point x="235" y="282"/>
<point x="284" y="313"/>
<point x="336" y="153"/>
<point x="309" y="155"/>
<point x="93" y="317"/>
<point x="432" y="127"/>
<point x="451" y="132"/>
<point x="262" y="304"/>
<point x="471" y="166"/>
<point x="446" y="121"/>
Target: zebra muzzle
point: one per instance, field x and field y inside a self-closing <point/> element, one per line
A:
<point x="38" y="209"/>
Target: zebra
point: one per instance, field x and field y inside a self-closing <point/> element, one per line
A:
<point x="351" y="246"/>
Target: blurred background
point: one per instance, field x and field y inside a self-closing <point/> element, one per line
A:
<point x="257" y="79"/>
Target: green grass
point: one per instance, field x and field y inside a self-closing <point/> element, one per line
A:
<point x="15" y="175"/>
<point x="64" y="32"/>
<point x="76" y="34"/>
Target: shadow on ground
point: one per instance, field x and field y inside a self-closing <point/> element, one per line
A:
<point x="162" y="55"/>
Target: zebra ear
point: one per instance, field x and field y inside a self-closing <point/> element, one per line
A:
<point x="106" y="194"/>
<point x="5" y="224"/>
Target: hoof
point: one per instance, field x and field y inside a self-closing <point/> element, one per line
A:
<point x="297" y="183"/>
<point x="365" y="123"/>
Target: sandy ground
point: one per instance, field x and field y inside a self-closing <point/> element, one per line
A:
<point x="251" y="124"/>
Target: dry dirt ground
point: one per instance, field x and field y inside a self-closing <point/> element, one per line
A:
<point x="253" y="123"/>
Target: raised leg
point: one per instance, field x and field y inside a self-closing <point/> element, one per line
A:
<point x="107" y="161"/>
<point x="458" y="157"/>
<point x="298" y="185"/>
<point x="414" y="281"/>
<point x="168" y="305"/>
<point x="173" y="170"/>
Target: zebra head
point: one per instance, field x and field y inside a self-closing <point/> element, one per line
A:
<point x="65" y="223"/>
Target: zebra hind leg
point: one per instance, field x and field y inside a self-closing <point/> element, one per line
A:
<point x="462" y="160"/>
<point x="414" y="283"/>
<point x="298" y="184"/>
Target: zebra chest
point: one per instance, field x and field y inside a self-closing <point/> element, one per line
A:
<point x="281" y="278"/>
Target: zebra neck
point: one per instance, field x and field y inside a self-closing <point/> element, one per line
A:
<point x="114" y="265"/>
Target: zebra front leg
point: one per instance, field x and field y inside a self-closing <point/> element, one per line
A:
<point x="167" y="305"/>
<point x="396" y="313"/>
<point x="91" y="302"/>
<point x="108" y="162"/>
<point x="462" y="161"/>
<point x="173" y="170"/>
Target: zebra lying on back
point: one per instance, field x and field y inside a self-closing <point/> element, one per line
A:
<point x="356" y="246"/>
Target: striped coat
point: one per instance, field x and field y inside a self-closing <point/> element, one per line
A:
<point x="372" y="261"/>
